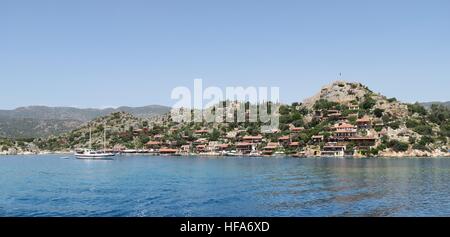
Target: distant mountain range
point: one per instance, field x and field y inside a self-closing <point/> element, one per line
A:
<point x="41" y="121"/>
<point x="428" y="104"/>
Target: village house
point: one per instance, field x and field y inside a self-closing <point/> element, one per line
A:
<point x="167" y="151"/>
<point x="294" y="145"/>
<point x="185" y="149"/>
<point x="172" y="143"/>
<point x="200" y="141"/>
<point x="363" y="143"/>
<point x="363" y="123"/>
<point x="201" y="148"/>
<point x="153" y="145"/>
<point x="343" y="126"/>
<point x="284" y="140"/>
<point x="343" y="135"/>
<point x="334" y="114"/>
<point x="333" y="149"/>
<point x="158" y="137"/>
<point x="378" y="123"/>
<point x="270" y="148"/>
<point x="294" y="129"/>
<point x="222" y="147"/>
<point x="316" y="139"/>
<point x="342" y="132"/>
<point x="245" y="147"/>
<point x="252" y="139"/>
<point x="353" y="106"/>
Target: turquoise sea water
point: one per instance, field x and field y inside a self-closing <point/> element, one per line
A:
<point x="194" y="186"/>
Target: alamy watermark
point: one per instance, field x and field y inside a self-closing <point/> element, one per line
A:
<point x="236" y="104"/>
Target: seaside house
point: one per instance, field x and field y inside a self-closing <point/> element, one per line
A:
<point x="185" y="149"/>
<point x="201" y="148"/>
<point x="333" y="149"/>
<point x="363" y="143"/>
<point x="167" y="151"/>
<point x="222" y="147"/>
<point x="153" y="145"/>
<point x="245" y="147"/>
<point x="270" y="148"/>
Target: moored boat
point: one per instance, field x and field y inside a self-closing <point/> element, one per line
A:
<point x="94" y="154"/>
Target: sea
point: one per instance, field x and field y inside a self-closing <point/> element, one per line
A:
<point x="165" y="186"/>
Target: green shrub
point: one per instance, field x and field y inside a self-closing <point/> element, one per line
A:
<point x="445" y="129"/>
<point x="425" y="140"/>
<point x="439" y="114"/>
<point x="394" y="124"/>
<point x="417" y="108"/>
<point x="284" y="110"/>
<point x="411" y="123"/>
<point x="368" y="102"/>
<point x="324" y="105"/>
<point x="420" y="147"/>
<point x="378" y="112"/>
<point x="381" y="147"/>
<point x="424" y="130"/>
<point x="393" y="99"/>
<point x="374" y="151"/>
<point x="398" y="145"/>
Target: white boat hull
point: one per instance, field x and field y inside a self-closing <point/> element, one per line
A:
<point x="99" y="156"/>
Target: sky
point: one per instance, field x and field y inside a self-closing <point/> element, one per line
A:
<point x="98" y="53"/>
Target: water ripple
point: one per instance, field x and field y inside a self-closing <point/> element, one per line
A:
<point x="155" y="186"/>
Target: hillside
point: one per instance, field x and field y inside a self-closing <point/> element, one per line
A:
<point x="30" y="127"/>
<point x="121" y="129"/>
<point x="43" y="121"/>
<point x="344" y="118"/>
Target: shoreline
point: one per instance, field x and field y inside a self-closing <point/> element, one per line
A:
<point x="227" y="156"/>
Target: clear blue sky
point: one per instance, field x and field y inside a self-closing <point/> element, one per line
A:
<point x="92" y="53"/>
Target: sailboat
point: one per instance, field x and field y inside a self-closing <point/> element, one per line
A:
<point x="95" y="154"/>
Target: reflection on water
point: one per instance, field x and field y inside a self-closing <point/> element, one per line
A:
<point x="177" y="186"/>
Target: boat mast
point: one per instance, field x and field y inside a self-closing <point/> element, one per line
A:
<point x="104" y="139"/>
<point x="90" y="137"/>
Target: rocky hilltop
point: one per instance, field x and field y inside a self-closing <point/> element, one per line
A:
<point x="356" y="95"/>
<point x="342" y="119"/>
